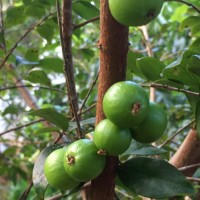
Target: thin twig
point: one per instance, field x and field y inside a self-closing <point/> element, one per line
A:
<point x="189" y="167"/>
<point x="86" y="22"/>
<point x="22" y="37"/>
<point x="88" y="93"/>
<point x="67" y="68"/>
<point x="167" y="87"/>
<point x="193" y="179"/>
<point x="31" y="86"/>
<point x="187" y="3"/>
<point x="176" y="133"/>
<point x="22" y="126"/>
<point x="26" y="192"/>
<point x="2" y="27"/>
<point x="145" y="34"/>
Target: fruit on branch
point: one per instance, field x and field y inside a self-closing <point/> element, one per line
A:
<point x="126" y="104"/>
<point x="153" y="127"/>
<point x="82" y="161"/>
<point x="135" y="12"/>
<point x="55" y="173"/>
<point x="111" y="139"/>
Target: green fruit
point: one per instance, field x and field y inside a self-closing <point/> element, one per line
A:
<point x="125" y="104"/>
<point x="55" y="173"/>
<point x="153" y="127"/>
<point x="135" y="12"/>
<point x="82" y="161"/>
<point x="111" y="139"/>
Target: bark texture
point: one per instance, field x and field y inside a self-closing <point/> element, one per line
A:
<point x="188" y="153"/>
<point x="113" y="45"/>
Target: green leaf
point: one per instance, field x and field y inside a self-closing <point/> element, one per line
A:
<point x="194" y="64"/>
<point x="85" y="9"/>
<point x="37" y="75"/>
<point x="15" y="16"/>
<point x="11" y="109"/>
<point x="195" y="46"/>
<point x="150" y="67"/>
<point x="193" y="101"/>
<point x="154" y="178"/>
<point x="195" y="31"/>
<point x="39" y="181"/>
<point x="131" y="63"/>
<point x="47" y="130"/>
<point x="51" y="115"/>
<point x="179" y="73"/>
<point x="73" y="125"/>
<point x="32" y="55"/>
<point x="179" y="13"/>
<point x="54" y="64"/>
<point x="46" y="31"/>
<point x="34" y="10"/>
<point x="141" y="149"/>
<point x="189" y="22"/>
<point x="197" y="117"/>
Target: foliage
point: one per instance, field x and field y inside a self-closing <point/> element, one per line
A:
<point x="30" y="55"/>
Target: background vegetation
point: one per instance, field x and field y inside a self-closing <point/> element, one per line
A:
<point x="31" y="78"/>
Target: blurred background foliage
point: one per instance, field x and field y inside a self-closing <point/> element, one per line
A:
<point x="35" y="60"/>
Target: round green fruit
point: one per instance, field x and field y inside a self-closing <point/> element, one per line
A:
<point x="135" y="12"/>
<point x="82" y="161"/>
<point x="153" y="127"/>
<point x="125" y="104"/>
<point x="55" y="173"/>
<point x="111" y="139"/>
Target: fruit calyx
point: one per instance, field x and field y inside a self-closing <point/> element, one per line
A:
<point x="151" y="14"/>
<point x="136" y="108"/>
<point x="102" y="152"/>
<point x="70" y="160"/>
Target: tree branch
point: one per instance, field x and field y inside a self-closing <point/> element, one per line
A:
<point x="189" y="167"/>
<point x="86" y="22"/>
<point x="32" y="86"/>
<point x="66" y="37"/>
<point x="167" y="87"/>
<point x="2" y="26"/>
<point x="176" y="133"/>
<point x="187" y="3"/>
<point x="22" y="37"/>
<point x="22" y="126"/>
<point x="145" y="34"/>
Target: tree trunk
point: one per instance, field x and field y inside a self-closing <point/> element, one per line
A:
<point x="113" y="46"/>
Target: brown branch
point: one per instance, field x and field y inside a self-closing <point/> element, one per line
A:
<point x="86" y="22"/>
<point x="31" y="86"/>
<point x="145" y="34"/>
<point x="187" y="3"/>
<point x="2" y="26"/>
<point x="176" y="133"/>
<point x="193" y="179"/>
<point x="188" y="153"/>
<point x="22" y="126"/>
<point x="167" y="87"/>
<point x="22" y="37"/>
<point x="88" y="94"/>
<point x="189" y="167"/>
<point x="26" y="192"/>
<point x="65" y="27"/>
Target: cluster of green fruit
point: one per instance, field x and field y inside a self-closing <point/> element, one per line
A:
<point x="129" y="115"/>
<point x="134" y="12"/>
